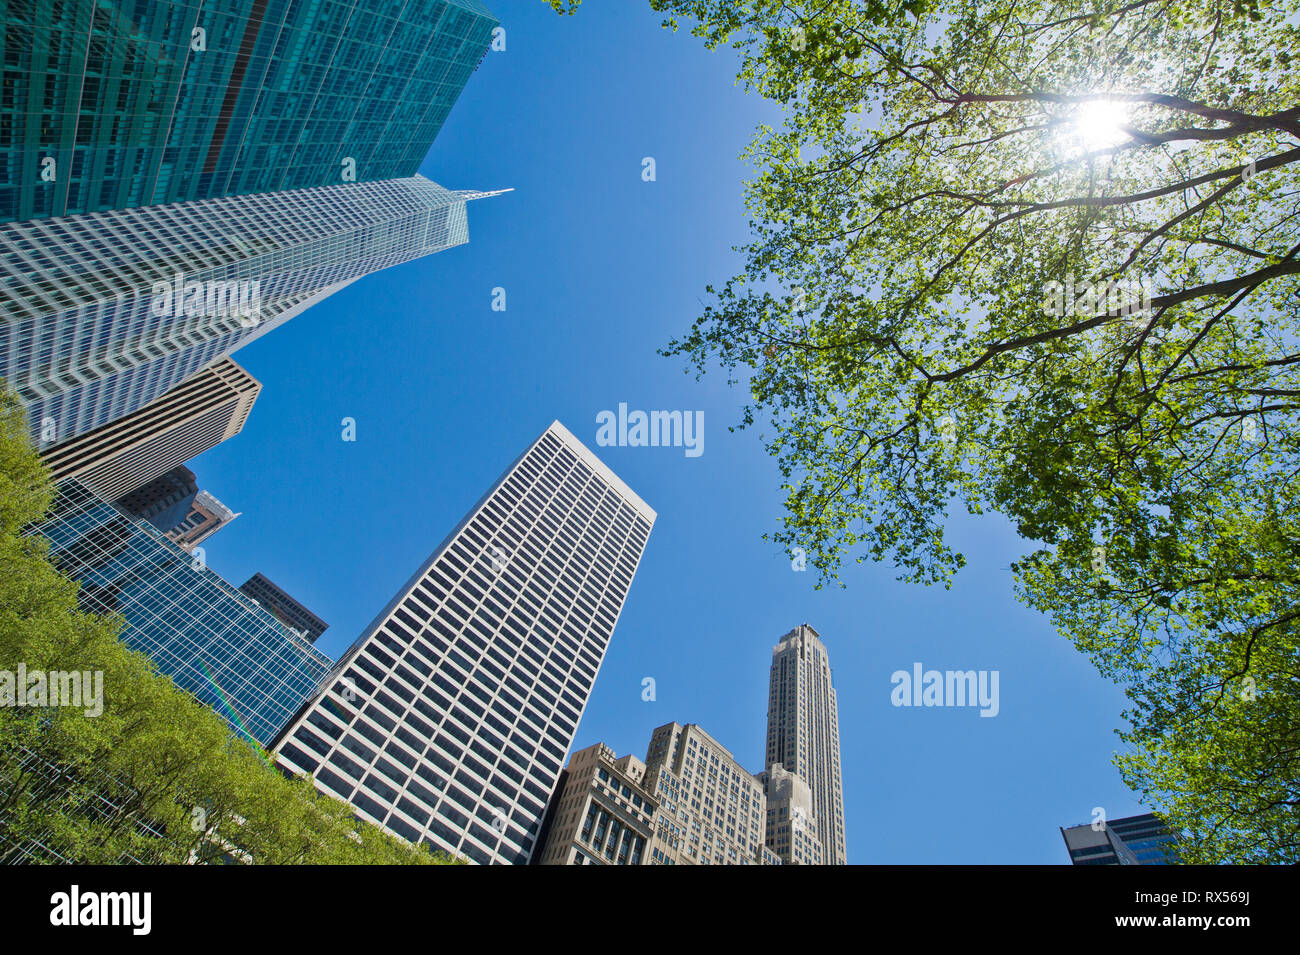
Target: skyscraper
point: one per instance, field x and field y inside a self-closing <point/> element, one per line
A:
<point x="448" y="720"/>
<point x="147" y="502"/>
<point x="283" y="607"/>
<point x="102" y="313"/>
<point x="1133" y="840"/>
<point x="142" y="102"/>
<point x="208" y="637"/>
<point x="199" y="413"/>
<point x="803" y="731"/>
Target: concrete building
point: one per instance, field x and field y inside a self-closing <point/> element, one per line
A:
<point x="448" y="721"/>
<point x="602" y="813"/>
<point x="803" y="731"/>
<point x="115" y="459"/>
<point x="792" y="832"/>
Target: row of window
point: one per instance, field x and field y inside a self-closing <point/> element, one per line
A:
<point x="452" y="671"/>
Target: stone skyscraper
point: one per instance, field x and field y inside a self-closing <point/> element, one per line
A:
<point x="601" y="814"/>
<point x="130" y="103"/>
<point x="803" y="733"/>
<point x="791" y="822"/>
<point x="448" y="721"/>
<point x="715" y="807"/>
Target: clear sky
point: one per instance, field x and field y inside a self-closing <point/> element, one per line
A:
<point x="600" y="269"/>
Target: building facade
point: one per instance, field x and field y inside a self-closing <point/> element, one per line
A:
<point x="1133" y="840"/>
<point x="209" y="638"/>
<point x="803" y="731"/>
<point x="283" y="607"/>
<point x="145" y="102"/>
<point x="203" y="518"/>
<point x="165" y="497"/>
<point x="447" y="722"/>
<point x="711" y="810"/>
<point x="117" y="458"/>
<point x="102" y="313"/>
<point x="792" y="832"/>
<point x="602" y="813"/>
<point x="689" y="803"/>
<point x="174" y="505"/>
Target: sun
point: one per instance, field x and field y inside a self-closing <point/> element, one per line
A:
<point x="1099" y="124"/>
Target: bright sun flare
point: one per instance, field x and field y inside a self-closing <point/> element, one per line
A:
<point x="1097" y="124"/>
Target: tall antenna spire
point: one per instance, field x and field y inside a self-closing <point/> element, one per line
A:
<point x="468" y="194"/>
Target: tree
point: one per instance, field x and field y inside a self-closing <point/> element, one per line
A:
<point x="1040" y="258"/>
<point x="157" y="776"/>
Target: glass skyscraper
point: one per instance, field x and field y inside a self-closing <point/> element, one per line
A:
<point x="1133" y="840"/>
<point x="102" y="313"/>
<point x="116" y="104"/>
<point x="210" y="638"/>
<point x="448" y="721"/>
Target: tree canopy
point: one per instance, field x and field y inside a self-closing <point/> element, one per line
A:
<point x="155" y="777"/>
<point x="1040" y="258"/>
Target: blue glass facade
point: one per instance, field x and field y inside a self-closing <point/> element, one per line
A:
<point x="210" y="638"/>
<point x="1133" y="840"/>
<point x="114" y="104"/>
<point x="1146" y="836"/>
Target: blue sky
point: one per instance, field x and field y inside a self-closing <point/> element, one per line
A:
<point x="601" y="269"/>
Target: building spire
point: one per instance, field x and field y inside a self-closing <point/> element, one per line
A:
<point x="470" y="194"/>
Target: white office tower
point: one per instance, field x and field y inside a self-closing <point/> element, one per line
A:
<point x="102" y="312"/>
<point x="803" y="731"/>
<point x="449" y="720"/>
